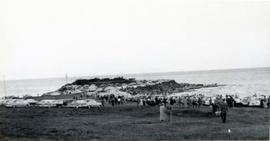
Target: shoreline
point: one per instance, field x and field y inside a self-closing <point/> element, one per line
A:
<point x="128" y="89"/>
<point x="130" y="85"/>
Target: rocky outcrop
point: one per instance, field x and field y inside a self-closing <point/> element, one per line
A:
<point x="98" y="82"/>
<point x="165" y="87"/>
<point x="131" y="86"/>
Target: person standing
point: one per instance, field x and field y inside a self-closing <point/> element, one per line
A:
<point x="103" y="102"/>
<point x="113" y="101"/>
<point x="138" y="102"/>
<point x="223" y="109"/>
<point x="164" y="113"/>
<point x="141" y="102"/>
<point x="265" y="102"/>
<point x="180" y="103"/>
<point x="268" y="103"/>
<point x="200" y="102"/>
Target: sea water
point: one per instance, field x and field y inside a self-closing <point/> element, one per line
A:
<point x="243" y="82"/>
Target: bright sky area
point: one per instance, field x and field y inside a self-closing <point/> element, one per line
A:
<point x="51" y="38"/>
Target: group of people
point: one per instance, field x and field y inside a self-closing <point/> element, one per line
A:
<point x="218" y="104"/>
<point x="190" y="101"/>
<point x="112" y="99"/>
<point x="152" y="101"/>
<point x="183" y="102"/>
<point x="265" y="102"/>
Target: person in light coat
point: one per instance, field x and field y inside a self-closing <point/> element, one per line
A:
<point x="164" y="113"/>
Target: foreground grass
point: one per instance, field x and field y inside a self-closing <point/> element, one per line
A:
<point x="130" y="122"/>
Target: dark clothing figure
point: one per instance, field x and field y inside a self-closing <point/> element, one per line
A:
<point x="113" y="101"/>
<point x="229" y="101"/>
<point x="103" y="102"/>
<point x="200" y="102"/>
<point x="261" y="103"/>
<point x="223" y="117"/>
<point x="214" y="108"/>
<point x="223" y="109"/>
<point x="194" y="103"/>
<point x="144" y="102"/>
<point x="165" y="101"/>
<point x="268" y="103"/>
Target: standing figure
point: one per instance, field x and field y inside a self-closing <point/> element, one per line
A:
<point x="200" y="102"/>
<point x="141" y="102"/>
<point x="103" y="102"/>
<point x="164" y="113"/>
<point x="180" y="102"/>
<point x="265" y="102"/>
<point x="223" y="109"/>
<point x="268" y="103"/>
<point x="185" y="102"/>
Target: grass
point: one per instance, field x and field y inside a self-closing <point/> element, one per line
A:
<point x="129" y="122"/>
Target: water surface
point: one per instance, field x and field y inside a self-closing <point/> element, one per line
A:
<point x="243" y="82"/>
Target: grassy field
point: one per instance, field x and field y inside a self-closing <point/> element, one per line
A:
<point x="129" y="122"/>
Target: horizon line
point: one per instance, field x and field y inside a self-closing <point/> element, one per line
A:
<point x="143" y="73"/>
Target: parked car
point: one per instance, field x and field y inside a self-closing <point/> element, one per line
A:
<point x="254" y="102"/>
<point x="50" y="103"/>
<point x="31" y="101"/>
<point x="238" y="102"/>
<point x="245" y="101"/>
<point x="16" y="103"/>
<point x="2" y="102"/>
<point x="87" y="103"/>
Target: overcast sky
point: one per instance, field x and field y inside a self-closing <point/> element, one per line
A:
<point x="49" y="38"/>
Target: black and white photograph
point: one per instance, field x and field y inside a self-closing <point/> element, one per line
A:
<point x="134" y="70"/>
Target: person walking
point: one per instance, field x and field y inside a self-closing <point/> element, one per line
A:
<point x="223" y="109"/>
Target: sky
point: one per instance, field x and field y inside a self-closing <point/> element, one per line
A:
<point x="51" y="38"/>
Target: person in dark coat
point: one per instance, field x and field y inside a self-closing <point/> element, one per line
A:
<point x="103" y="102"/>
<point x="138" y="102"/>
<point x="223" y="109"/>
<point x="268" y="104"/>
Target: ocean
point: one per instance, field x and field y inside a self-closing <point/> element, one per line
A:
<point x="243" y="82"/>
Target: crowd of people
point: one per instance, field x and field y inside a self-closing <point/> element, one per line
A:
<point x="188" y="101"/>
<point x="218" y="104"/>
<point x="112" y="100"/>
